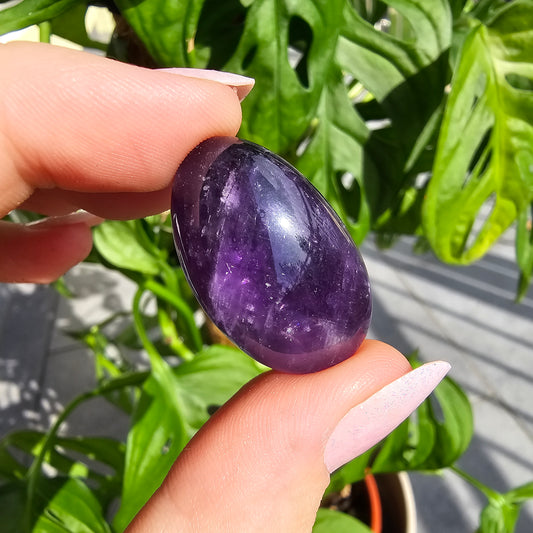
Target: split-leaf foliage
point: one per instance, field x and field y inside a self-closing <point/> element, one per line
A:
<point x="412" y="117"/>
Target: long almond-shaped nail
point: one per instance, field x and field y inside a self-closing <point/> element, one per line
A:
<point x="240" y="84"/>
<point x="372" y="420"/>
<point x="78" y="217"/>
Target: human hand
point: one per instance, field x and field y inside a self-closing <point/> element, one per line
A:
<point x="77" y="131"/>
<point x="262" y="462"/>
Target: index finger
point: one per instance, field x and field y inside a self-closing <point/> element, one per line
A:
<point x="78" y="122"/>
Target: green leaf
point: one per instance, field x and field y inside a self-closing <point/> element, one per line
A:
<point x="382" y="62"/>
<point x="405" y="79"/>
<point x="392" y="453"/>
<point x="371" y="11"/>
<point x="333" y="159"/>
<point x="502" y="510"/>
<point x="403" y="218"/>
<point x="44" y="449"/>
<point x="219" y="30"/>
<point x="30" y="442"/>
<point x="121" y="243"/>
<point x="12" y="506"/>
<point x="106" y="366"/>
<point x="72" y="509"/>
<point x="483" y="171"/>
<point x="499" y="516"/>
<point x="64" y="506"/>
<point x="185" y="315"/>
<point x="62" y="288"/>
<point x="328" y="521"/>
<point x="10" y="468"/>
<point x="158" y="434"/>
<point x="209" y="381"/>
<point x="524" y="250"/>
<point x="521" y="494"/>
<point x="29" y="12"/>
<point x="422" y="437"/>
<point x="173" y="406"/>
<point x="294" y="50"/>
<point x="279" y="112"/>
<point x="166" y="27"/>
<point x="103" y="450"/>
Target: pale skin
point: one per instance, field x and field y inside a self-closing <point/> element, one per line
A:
<point x="78" y="131"/>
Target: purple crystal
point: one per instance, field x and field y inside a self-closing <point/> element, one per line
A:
<point x="270" y="262"/>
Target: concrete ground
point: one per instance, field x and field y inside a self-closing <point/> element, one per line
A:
<point x="463" y="315"/>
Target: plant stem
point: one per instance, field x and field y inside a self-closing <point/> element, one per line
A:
<point x="153" y="353"/>
<point x="45" y="31"/>
<point x="486" y="491"/>
<point x="172" y="339"/>
<point x="181" y="306"/>
<point x="151" y="350"/>
<point x="35" y="468"/>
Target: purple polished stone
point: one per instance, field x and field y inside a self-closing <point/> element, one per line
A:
<point x="270" y="262"/>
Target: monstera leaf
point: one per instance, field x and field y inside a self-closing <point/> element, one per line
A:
<point x="392" y="83"/>
<point x="483" y="173"/>
<point x="28" y="12"/>
<point x="166" y="27"/>
<point x="288" y="47"/>
<point x="524" y="249"/>
<point x="311" y="59"/>
<point x="333" y="158"/>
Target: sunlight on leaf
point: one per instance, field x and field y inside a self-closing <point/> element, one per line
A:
<point x="483" y="172"/>
<point x="524" y="249"/>
<point x="29" y="12"/>
<point x="119" y="243"/>
<point x="73" y="507"/>
<point x="210" y="379"/>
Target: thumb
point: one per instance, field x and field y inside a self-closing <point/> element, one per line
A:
<point x="262" y="462"/>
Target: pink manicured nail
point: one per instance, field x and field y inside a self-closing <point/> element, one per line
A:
<point x="240" y="84"/>
<point x="369" y="422"/>
<point x="78" y="217"/>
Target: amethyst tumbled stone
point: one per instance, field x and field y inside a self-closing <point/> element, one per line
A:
<point x="268" y="259"/>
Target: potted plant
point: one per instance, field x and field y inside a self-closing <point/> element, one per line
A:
<point x="375" y="97"/>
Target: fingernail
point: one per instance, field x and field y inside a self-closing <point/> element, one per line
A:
<point x="369" y="422"/>
<point x="78" y="217"/>
<point x="240" y="84"/>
